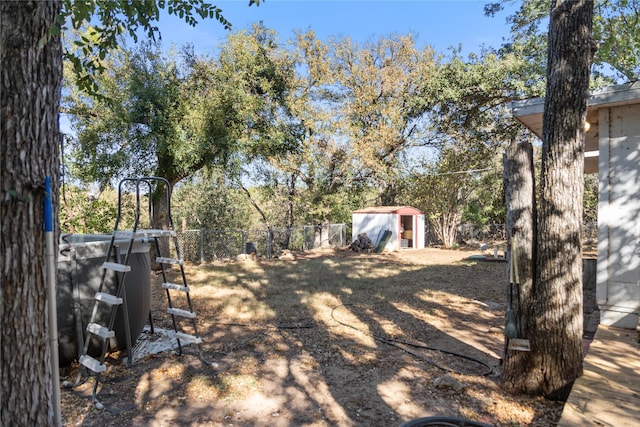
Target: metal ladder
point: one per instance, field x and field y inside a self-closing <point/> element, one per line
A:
<point x="119" y="264"/>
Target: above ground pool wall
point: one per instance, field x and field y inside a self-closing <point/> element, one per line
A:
<point x="79" y="275"/>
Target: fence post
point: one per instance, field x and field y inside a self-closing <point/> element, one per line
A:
<point x="304" y="238"/>
<point x="183" y="233"/>
<point x="243" y="248"/>
<point x="201" y="245"/>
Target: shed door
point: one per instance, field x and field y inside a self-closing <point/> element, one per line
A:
<point x="407" y="231"/>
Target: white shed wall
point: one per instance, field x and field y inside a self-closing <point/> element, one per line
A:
<point x="374" y="225"/>
<point x="618" y="275"/>
<point x="420" y="232"/>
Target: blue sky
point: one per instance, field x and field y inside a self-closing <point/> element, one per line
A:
<point x="440" y="24"/>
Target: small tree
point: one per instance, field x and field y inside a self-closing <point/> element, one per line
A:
<point x="446" y="185"/>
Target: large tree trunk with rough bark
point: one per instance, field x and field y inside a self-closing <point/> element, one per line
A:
<point x="519" y="186"/>
<point x="31" y="64"/>
<point x="555" y="325"/>
<point x="557" y="336"/>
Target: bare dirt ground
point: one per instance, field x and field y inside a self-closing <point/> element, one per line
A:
<point x="325" y="338"/>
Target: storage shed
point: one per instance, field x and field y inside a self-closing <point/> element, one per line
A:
<point x="612" y="150"/>
<point x="393" y="227"/>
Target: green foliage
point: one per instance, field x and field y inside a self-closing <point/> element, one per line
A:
<point x="105" y="21"/>
<point x="616" y="31"/>
<point x="616" y="27"/>
<point x="338" y="207"/>
<point x="471" y="97"/>
<point x="455" y="180"/>
<point x="360" y="114"/>
<point x="486" y="204"/>
<point x="134" y="128"/>
<point x="83" y="211"/>
<point x="380" y="105"/>
<point x="320" y="128"/>
<point x="207" y="202"/>
<point x="360" y="109"/>
<point x="172" y="114"/>
<point x="254" y="78"/>
<point x="590" y="212"/>
<point x="471" y="121"/>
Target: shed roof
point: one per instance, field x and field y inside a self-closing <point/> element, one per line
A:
<point x="402" y="210"/>
<point x="530" y="112"/>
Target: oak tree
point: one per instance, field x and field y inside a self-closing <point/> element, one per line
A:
<point x="553" y="320"/>
<point x="31" y="55"/>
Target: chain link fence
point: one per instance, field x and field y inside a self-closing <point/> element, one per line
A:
<point x="472" y="234"/>
<point x="207" y="245"/>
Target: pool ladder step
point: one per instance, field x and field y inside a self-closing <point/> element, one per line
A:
<point x="101" y="331"/>
<point x="172" y="261"/>
<point x="188" y="339"/>
<point x="181" y="313"/>
<point x="179" y="304"/>
<point x="108" y="298"/>
<point x="110" y="293"/>
<point x="175" y="287"/>
<point x="143" y="234"/>
<point x="115" y="266"/>
<point x="91" y="363"/>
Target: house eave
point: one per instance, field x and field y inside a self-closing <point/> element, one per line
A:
<point x="530" y="112"/>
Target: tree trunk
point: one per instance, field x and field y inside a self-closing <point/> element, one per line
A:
<point x="160" y="220"/>
<point x="31" y="63"/>
<point x="519" y="185"/>
<point x="290" y="215"/>
<point x="388" y="194"/>
<point x="556" y="325"/>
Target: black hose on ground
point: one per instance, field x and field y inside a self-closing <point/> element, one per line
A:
<point x="399" y="344"/>
<point x="443" y="422"/>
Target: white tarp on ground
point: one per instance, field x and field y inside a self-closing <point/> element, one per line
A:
<point x="149" y="344"/>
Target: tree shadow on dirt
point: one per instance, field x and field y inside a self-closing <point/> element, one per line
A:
<point x="361" y="340"/>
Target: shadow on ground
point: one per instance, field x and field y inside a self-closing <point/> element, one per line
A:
<point x="362" y="340"/>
